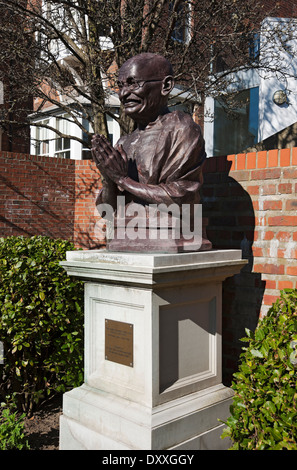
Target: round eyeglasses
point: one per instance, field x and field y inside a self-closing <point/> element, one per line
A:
<point x="134" y="84"/>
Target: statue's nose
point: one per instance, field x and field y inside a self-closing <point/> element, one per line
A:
<point x="124" y="92"/>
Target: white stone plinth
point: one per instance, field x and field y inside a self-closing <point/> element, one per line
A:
<point x="158" y="384"/>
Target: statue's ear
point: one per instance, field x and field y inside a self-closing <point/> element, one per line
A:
<point x="168" y="84"/>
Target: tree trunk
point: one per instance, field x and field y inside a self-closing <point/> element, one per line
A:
<point x="100" y="121"/>
<point x="127" y="125"/>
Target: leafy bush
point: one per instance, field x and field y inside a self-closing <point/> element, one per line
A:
<point x="12" y="435"/>
<point x="264" y="410"/>
<point x="41" y="320"/>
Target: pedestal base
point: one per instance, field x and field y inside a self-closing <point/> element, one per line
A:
<point x="93" y="420"/>
<point x="152" y="352"/>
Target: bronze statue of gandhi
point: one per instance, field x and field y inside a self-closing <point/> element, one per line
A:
<point x="159" y="163"/>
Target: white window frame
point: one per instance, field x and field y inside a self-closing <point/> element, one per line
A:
<point x="63" y="125"/>
<point x="76" y="148"/>
<point x="240" y="81"/>
<point x="113" y="128"/>
<point x="46" y="137"/>
<point x="272" y="118"/>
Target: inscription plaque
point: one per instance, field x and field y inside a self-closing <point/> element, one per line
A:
<point x="119" y="342"/>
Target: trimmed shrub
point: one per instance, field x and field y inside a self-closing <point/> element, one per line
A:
<point x="264" y="409"/>
<point x="41" y="320"/>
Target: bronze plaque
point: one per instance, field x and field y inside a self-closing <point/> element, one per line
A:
<point x="119" y="342"/>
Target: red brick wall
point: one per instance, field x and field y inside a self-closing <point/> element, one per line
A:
<point x="252" y="197"/>
<point x="47" y="196"/>
<point x="250" y="202"/>
<point x="86" y="218"/>
<point x="282" y="8"/>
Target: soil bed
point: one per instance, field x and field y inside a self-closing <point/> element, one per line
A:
<point x="42" y="430"/>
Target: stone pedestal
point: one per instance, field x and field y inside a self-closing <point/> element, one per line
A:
<point x="152" y="352"/>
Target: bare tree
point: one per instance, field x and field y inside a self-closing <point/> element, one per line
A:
<point x="67" y="53"/>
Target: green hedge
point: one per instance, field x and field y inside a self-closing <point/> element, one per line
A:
<point x="41" y="320"/>
<point x="264" y="410"/>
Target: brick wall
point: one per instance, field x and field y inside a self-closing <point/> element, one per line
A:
<point x="87" y="232"/>
<point x="47" y="196"/>
<point x="250" y="202"/>
<point x="282" y="8"/>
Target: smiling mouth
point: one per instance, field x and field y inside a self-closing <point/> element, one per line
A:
<point x="131" y="102"/>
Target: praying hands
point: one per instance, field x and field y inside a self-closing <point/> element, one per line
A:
<point x="112" y="163"/>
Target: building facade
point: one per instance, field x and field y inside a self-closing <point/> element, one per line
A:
<point x="258" y="109"/>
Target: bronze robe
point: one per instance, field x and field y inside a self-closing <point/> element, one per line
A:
<point x="165" y="159"/>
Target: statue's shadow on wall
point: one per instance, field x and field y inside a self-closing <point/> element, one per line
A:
<point x="231" y="224"/>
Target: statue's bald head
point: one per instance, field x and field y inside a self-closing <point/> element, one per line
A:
<point x="150" y="65"/>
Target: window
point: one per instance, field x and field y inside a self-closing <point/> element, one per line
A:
<point x="47" y="142"/>
<point x="254" y="47"/>
<point x="113" y="127"/>
<point x="42" y="138"/>
<point x="181" y="30"/>
<point x="73" y="141"/>
<point x="236" y="122"/>
<point x="62" y="146"/>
